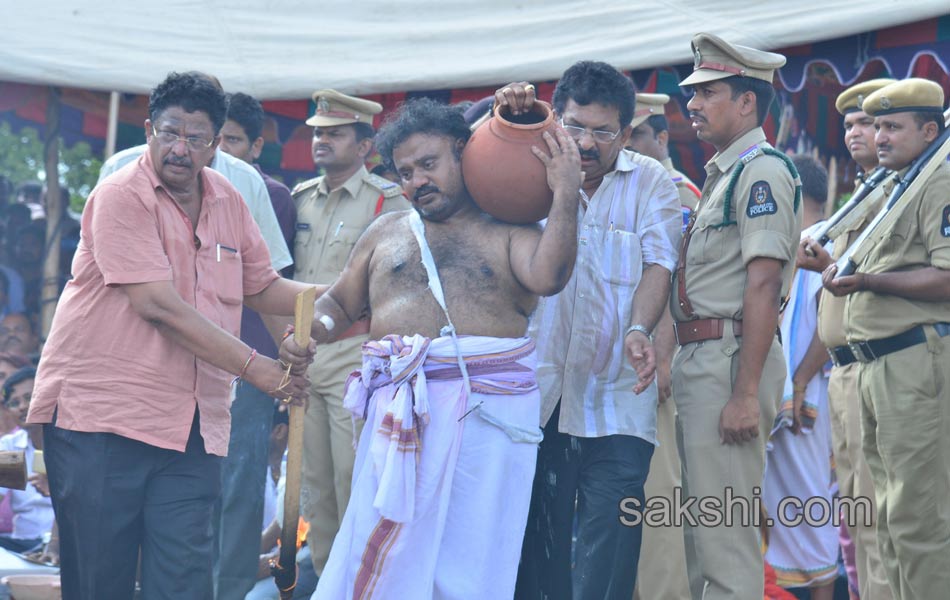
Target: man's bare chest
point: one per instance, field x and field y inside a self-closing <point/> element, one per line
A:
<point x="467" y="262"/>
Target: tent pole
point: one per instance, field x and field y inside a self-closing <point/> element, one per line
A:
<point x="54" y="212"/>
<point x="113" y="124"/>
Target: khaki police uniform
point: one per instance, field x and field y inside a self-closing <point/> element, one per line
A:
<point x="759" y="218"/>
<point x="661" y="571"/>
<point x="329" y="222"/>
<point x="851" y="469"/>
<point x="903" y="382"/>
<point x="688" y="191"/>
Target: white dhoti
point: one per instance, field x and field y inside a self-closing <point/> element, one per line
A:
<point x="442" y="480"/>
<point x="799" y="466"/>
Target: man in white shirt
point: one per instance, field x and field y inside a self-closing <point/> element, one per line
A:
<point x="595" y="354"/>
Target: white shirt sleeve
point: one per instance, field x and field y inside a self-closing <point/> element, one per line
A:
<point x="250" y="185"/>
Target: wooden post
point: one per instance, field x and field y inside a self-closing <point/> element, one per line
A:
<point x="832" y="186"/>
<point x="113" y="125"/>
<point x="54" y="212"/>
<point x="13" y="470"/>
<point x="285" y="571"/>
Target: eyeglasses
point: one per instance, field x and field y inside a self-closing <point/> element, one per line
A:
<point x="167" y="138"/>
<point x="600" y="135"/>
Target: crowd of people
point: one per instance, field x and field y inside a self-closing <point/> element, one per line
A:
<point x="545" y="411"/>
<point x="26" y="516"/>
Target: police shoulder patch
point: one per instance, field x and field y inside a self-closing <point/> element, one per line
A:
<point x="945" y="222"/>
<point x="387" y="187"/>
<point x="761" y="200"/>
<point x="304" y="185"/>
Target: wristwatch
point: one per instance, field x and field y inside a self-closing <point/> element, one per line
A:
<point x="642" y="329"/>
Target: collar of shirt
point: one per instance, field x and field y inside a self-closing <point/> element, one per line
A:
<point x="216" y="161"/>
<point x="667" y="164"/>
<point x="351" y="185"/>
<point x="210" y="194"/>
<point x="727" y="158"/>
<point x="626" y="161"/>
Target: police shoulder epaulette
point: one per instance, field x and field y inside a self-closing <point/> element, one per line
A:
<point x="305" y="185"/>
<point x="747" y="156"/>
<point x="385" y="186"/>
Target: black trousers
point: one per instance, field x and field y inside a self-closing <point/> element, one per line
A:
<point x="583" y="479"/>
<point x="114" y="496"/>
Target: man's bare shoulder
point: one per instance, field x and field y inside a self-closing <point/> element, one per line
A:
<point x="384" y="227"/>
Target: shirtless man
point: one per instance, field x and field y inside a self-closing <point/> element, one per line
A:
<point x="428" y="502"/>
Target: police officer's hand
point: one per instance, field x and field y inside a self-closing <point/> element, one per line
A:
<point x="563" y="164"/>
<point x="518" y="97"/>
<point x="811" y="256"/>
<point x="642" y="357"/>
<point x="739" y="420"/>
<point x="842" y="286"/>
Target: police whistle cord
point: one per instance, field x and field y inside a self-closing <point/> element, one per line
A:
<point x="285" y="569"/>
<point x="916" y="176"/>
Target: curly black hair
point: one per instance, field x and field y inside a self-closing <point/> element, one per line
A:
<point x="591" y="81"/>
<point x="420" y="115"/>
<point x="247" y="112"/>
<point x="18" y="376"/>
<point x="191" y="92"/>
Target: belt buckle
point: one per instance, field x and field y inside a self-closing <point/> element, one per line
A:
<point x="834" y="357"/>
<point x="862" y="352"/>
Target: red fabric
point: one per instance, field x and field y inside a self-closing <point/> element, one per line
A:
<point x="920" y="32"/>
<point x="772" y="589"/>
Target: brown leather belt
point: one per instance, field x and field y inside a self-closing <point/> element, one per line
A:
<point x="700" y="330"/>
<point x="360" y="327"/>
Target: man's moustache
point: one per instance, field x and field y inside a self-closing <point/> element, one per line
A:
<point x="590" y="155"/>
<point x="426" y="189"/>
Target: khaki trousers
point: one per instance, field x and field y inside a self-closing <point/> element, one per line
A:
<point x="729" y="559"/>
<point x="854" y="479"/>
<point x="661" y="574"/>
<point x="328" y="446"/>
<point x="905" y="407"/>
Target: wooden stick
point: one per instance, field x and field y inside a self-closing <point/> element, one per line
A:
<point x="832" y="186"/>
<point x="285" y="571"/>
<point x="13" y="470"/>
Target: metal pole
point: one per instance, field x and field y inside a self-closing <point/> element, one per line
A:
<point x="113" y="124"/>
<point x="54" y="212"/>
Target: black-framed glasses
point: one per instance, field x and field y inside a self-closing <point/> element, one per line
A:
<point x="600" y="135"/>
<point x="167" y="138"/>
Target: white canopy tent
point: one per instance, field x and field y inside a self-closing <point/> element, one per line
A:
<point x="277" y="49"/>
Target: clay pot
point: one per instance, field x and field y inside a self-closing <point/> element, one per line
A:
<point x="504" y="177"/>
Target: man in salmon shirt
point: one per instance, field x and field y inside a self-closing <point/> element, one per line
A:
<point x="133" y="383"/>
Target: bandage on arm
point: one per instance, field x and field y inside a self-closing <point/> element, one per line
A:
<point x="330" y="320"/>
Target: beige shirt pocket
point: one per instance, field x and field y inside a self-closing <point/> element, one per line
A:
<point x="621" y="262"/>
<point x="705" y="246"/>
<point x="339" y="248"/>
